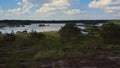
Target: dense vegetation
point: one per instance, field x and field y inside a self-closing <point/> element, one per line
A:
<point x="18" y="48"/>
<point x="70" y="33"/>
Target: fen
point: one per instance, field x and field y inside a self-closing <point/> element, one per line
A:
<point x="68" y="42"/>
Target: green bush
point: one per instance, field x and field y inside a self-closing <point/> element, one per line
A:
<point x="110" y="33"/>
<point x="70" y="33"/>
<point x="35" y="35"/>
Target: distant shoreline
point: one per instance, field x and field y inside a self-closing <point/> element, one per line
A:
<point x="54" y="21"/>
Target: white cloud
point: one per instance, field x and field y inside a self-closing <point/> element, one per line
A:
<point x="25" y="1"/>
<point x="24" y="7"/>
<point x="19" y="3"/>
<point x="117" y="14"/>
<point x="1" y="11"/>
<point x="54" y="5"/>
<point x="74" y="11"/>
<point x="16" y="11"/>
<point x="23" y="10"/>
<point x="40" y="1"/>
<point x="107" y="5"/>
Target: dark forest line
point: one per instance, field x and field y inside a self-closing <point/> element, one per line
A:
<point x="55" y="21"/>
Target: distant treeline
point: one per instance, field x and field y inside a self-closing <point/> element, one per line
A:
<point x="56" y="21"/>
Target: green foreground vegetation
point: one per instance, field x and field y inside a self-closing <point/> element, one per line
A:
<point x="18" y="48"/>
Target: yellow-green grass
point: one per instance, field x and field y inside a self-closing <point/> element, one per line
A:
<point x="53" y="54"/>
<point x="51" y="33"/>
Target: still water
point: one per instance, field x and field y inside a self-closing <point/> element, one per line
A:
<point x="34" y="27"/>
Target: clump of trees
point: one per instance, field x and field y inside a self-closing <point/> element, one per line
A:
<point x="110" y="33"/>
<point x="36" y="35"/>
<point x="70" y="33"/>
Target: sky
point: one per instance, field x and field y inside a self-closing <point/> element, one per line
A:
<point x="59" y="9"/>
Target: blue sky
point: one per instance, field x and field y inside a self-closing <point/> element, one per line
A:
<point x="59" y="9"/>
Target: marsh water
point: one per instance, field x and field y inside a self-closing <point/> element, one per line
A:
<point x="37" y="27"/>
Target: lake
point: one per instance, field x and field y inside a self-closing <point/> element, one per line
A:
<point x="37" y="27"/>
